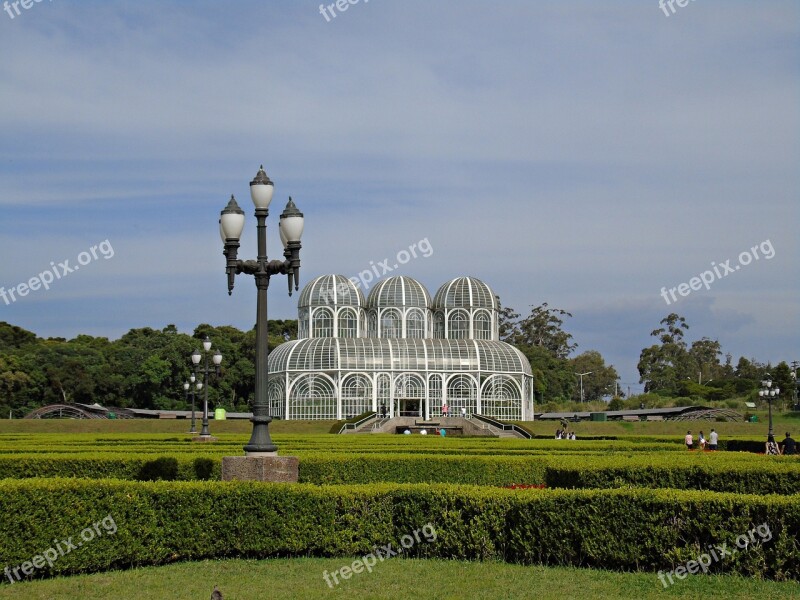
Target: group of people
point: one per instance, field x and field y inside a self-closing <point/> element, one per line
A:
<point x="702" y="442"/>
<point x="787" y="447"/>
<point x="563" y="434"/>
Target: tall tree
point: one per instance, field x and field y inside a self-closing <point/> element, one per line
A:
<point x="544" y="328"/>
<point x="601" y="381"/>
<point x="662" y="367"/>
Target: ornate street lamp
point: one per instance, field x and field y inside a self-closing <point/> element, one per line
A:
<point x="768" y="392"/>
<point x="290" y="229"/>
<point x="189" y="389"/>
<point x="206" y="372"/>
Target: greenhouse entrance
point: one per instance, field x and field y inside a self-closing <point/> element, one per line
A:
<point x="409" y="407"/>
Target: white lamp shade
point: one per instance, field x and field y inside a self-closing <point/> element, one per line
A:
<point x="231" y="226"/>
<point x="186" y="386"/>
<point x="292" y="228"/>
<point x="196" y="356"/>
<point x="199" y="385"/>
<point x="261" y="193"/>
<point x="206" y="344"/>
<point x="217" y="358"/>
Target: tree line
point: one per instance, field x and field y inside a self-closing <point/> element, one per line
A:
<point x="146" y="367"/>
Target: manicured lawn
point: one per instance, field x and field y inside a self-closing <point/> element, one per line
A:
<point x="395" y="578"/>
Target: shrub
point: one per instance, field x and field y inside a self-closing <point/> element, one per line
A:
<point x="163" y="522"/>
<point x="164" y="467"/>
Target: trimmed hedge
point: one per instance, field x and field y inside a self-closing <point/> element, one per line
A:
<point x="105" y="466"/>
<point x="164" y="522"/>
<point x="719" y="472"/>
<point x="766" y="478"/>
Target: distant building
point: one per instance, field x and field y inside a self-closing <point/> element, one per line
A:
<point x="398" y="349"/>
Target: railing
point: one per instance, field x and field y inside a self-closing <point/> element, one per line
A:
<point x="357" y="424"/>
<point x="504" y="426"/>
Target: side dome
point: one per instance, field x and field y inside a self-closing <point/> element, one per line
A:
<point x="465" y="292"/>
<point x="330" y="290"/>
<point x="399" y="292"/>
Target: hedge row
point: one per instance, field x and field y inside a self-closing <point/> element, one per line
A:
<point x="767" y="478"/>
<point x="163" y="522"/>
<point x="107" y="466"/>
<point x="718" y="472"/>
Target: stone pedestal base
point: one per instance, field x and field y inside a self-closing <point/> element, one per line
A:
<point x="204" y="438"/>
<point x="276" y="469"/>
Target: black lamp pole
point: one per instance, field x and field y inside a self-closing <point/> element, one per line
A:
<point x="189" y="387"/>
<point x="206" y="372"/>
<point x="290" y="229"/>
<point x="769" y="392"/>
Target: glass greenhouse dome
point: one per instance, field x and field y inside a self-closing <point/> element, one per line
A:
<point x="400" y="350"/>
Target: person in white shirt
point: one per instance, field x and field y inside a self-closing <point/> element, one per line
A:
<point x="713" y="438"/>
<point x="689" y="440"/>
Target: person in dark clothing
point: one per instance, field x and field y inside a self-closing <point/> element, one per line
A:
<point x="789" y="445"/>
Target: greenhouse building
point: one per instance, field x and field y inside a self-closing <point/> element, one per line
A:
<point x="398" y="350"/>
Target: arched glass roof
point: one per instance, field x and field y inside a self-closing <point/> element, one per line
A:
<point x="399" y="291"/>
<point x="465" y="292"/>
<point x="375" y="354"/>
<point x="328" y="290"/>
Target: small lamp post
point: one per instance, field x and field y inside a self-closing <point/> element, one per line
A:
<point x="769" y="392"/>
<point x="189" y="387"/>
<point x="206" y="372"/>
<point x="290" y="229"/>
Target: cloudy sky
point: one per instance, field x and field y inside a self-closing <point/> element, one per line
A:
<point x="584" y="154"/>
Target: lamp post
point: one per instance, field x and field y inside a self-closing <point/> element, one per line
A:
<point x="768" y="392"/>
<point x="290" y="229"/>
<point x="217" y="360"/>
<point x="581" y="376"/>
<point x="189" y="387"/>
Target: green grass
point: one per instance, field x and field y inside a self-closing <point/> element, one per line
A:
<point x="395" y="578"/>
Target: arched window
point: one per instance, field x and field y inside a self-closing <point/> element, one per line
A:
<point x="323" y="323"/>
<point x="391" y="324"/>
<point x="348" y="325"/>
<point x="458" y="326"/>
<point x="302" y="327"/>
<point x="415" y="324"/>
<point x="438" y="326"/>
<point x="356" y="395"/>
<point x="482" y="326"/>
<point x="372" y="329"/>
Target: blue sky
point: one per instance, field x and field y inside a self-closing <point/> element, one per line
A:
<point x="584" y="154"/>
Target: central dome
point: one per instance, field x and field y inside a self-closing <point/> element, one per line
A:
<point x="399" y="291"/>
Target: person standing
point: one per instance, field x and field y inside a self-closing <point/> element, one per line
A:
<point x="701" y="440"/>
<point x="713" y="439"/>
<point x="688" y="440"/>
<point x="771" y="448"/>
<point x="445" y="409"/>
<point x="789" y="445"/>
<point x="463" y="412"/>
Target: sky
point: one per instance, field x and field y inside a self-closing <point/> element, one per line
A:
<point x="580" y="153"/>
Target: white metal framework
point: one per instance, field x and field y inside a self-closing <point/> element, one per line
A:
<point x="399" y="351"/>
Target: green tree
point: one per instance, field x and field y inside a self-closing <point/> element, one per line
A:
<point x="544" y="328"/>
<point x="663" y="366"/>
<point x="601" y="380"/>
